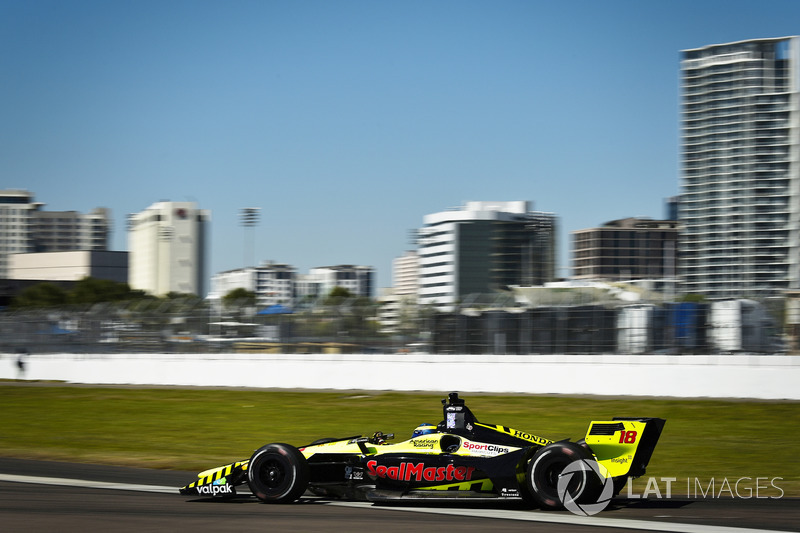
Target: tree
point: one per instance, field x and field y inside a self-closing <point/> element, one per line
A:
<point x="87" y="291"/>
<point x="92" y="290"/>
<point x="239" y="297"/>
<point x="41" y="295"/>
<point x="337" y="296"/>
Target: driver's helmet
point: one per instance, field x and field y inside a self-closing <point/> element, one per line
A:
<point x="424" y="429"/>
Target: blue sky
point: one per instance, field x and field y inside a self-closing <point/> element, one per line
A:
<point x="347" y="121"/>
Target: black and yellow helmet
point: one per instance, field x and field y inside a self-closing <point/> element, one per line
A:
<point x="424" y="429"/>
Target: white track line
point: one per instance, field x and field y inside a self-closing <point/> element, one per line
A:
<point x="528" y="516"/>
<point x="85" y="484"/>
<point x="592" y="521"/>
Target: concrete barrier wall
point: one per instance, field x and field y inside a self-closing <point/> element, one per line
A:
<point x="720" y="376"/>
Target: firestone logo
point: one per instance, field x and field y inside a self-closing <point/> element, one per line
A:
<point x="419" y="472"/>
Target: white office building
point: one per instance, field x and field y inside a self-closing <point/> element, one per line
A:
<point x="356" y="279"/>
<point x="167" y="245"/>
<point x="740" y="180"/>
<point x="272" y="283"/>
<point x="405" y="274"/>
<point x="26" y="228"/>
<point x="69" y="266"/>
<point x="399" y="304"/>
<point x="224" y="282"/>
<point x="483" y="247"/>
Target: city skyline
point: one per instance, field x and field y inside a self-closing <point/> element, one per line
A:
<point x="348" y="122"/>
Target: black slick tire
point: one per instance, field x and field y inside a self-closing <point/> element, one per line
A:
<point x="543" y="473"/>
<point x="277" y="473"/>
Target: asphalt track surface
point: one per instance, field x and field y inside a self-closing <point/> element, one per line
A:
<point x="120" y="499"/>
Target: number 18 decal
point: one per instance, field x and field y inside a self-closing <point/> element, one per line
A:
<point x="627" y="437"/>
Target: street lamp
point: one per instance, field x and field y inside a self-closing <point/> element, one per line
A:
<point x="249" y="219"/>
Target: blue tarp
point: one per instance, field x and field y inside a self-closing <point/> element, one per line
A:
<point x="276" y="309"/>
<point x="55" y="330"/>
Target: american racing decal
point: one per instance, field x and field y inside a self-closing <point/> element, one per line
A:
<point x="424" y="443"/>
<point x="420" y="472"/>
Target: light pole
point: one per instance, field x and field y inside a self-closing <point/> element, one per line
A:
<point x="249" y="219"/>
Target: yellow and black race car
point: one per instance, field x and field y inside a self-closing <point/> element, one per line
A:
<point x="458" y="458"/>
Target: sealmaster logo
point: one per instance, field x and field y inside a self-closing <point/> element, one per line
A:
<point x="419" y="472"/>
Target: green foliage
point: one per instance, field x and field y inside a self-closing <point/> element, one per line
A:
<point x="87" y="291"/>
<point x="693" y="298"/>
<point x="338" y="296"/>
<point x="41" y="295"/>
<point x="93" y="290"/>
<point x="239" y="297"/>
<point x="172" y="295"/>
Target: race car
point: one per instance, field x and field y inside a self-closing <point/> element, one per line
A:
<point x="458" y="458"/>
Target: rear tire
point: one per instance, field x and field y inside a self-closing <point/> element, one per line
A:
<point x="277" y="473"/>
<point x="545" y="468"/>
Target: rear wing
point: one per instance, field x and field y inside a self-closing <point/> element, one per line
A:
<point x="624" y="445"/>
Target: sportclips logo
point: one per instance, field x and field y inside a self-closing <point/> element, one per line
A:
<point x="419" y="472"/>
<point x="578" y="504"/>
<point x="484" y="449"/>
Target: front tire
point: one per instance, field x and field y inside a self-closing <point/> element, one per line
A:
<point x="277" y="473"/>
<point x="545" y="468"/>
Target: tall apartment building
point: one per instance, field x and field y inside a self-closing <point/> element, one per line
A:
<point x="26" y="228"/>
<point x="483" y="247"/>
<point x="627" y="249"/>
<point x="740" y="151"/>
<point x="167" y="245"/>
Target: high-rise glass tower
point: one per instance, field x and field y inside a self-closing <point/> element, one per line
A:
<point x="740" y="150"/>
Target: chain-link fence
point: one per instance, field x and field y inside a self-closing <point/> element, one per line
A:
<point x="194" y="326"/>
<point x="191" y="326"/>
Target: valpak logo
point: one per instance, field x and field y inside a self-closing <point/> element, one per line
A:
<point x="215" y="490"/>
